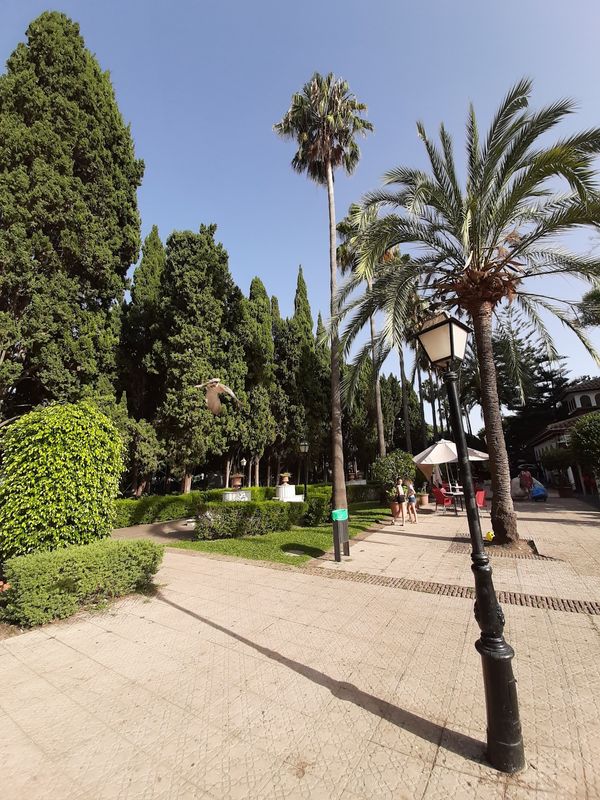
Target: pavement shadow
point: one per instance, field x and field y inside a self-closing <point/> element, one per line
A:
<point x="296" y="548"/>
<point x="465" y="746"/>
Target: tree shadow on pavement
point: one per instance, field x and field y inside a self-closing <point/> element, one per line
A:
<point x="455" y="742"/>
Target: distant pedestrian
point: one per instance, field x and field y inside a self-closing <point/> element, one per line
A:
<point x="400" y="498"/>
<point x="526" y="481"/>
<point x="411" y="501"/>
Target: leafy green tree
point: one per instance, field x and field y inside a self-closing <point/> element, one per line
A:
<point x="58" y="478"/>
<point x="142" y="368"/>
<point x="69" y="223"/>
<point x="396" y="464"/>
<point x="585" y="443"/>
<point x="325" y="120"/>
<point x="200" y="337"/>
<point x="145" y="453"/>
<point x="477" y="247"/>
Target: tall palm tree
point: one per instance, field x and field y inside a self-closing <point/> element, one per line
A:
<point x="325" y="120"/>
<point x="349" y="260"/>
<point x="476" y="247"/>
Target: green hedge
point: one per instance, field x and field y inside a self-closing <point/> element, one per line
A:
<point x="157" y="508"/>
<point x="55" y="584"/>
<point x="163" y="508"/>
<point x="232" y="520"/>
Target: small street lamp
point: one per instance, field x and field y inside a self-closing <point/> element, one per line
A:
<point x="304" y="450"/>
<point x="243" y="463"/>
<point x="444" y="340"/>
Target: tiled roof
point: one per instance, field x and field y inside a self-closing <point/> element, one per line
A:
<point x="583" y="386"/>
<point x="557" y="427"/>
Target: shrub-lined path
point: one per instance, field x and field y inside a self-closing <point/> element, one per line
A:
<point x="242" y="680"/>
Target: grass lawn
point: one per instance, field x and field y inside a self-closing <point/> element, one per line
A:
<point x="309" y="542"/>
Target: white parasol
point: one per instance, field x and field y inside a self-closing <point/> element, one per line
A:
<point x="443" y="452"/>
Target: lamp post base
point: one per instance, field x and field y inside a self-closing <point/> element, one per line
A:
<point x="504" y="739"/>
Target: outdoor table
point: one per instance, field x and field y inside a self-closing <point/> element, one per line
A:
<point x="456" y="496"/>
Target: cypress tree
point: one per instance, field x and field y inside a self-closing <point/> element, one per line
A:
<point x="142" y="368"/>
<point x="260" y="349"/>
<point x="302" y="313"/>
<point x="69" y="224"/>
<point x="200" y="337"/>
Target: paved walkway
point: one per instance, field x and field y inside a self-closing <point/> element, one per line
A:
<point x="238" y="680"/>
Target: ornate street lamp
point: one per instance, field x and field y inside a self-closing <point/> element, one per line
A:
<point x="304" y="450"/>
<point x="444" y="340"/>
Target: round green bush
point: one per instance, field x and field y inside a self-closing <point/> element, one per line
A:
<point x="58" y="479"/>
<point x="398" y="464"/>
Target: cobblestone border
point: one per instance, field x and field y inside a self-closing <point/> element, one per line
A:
<point x="466" y="592"/>
<point x="427" y="587"/>
<point x="462" y="545"/>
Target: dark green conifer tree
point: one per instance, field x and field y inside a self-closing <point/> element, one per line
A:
<point x="260" y="350"/>
<point x="142" y="367"/>
<point x="69" y="224"/>
<point x="201" y="318"/>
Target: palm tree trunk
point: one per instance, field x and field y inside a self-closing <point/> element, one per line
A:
<point x="337" y="442"/>
<point x="468" y="421"/>
<point x="504" y="519"/>
<point x="227" y="471"/>
<point x="433" y="416"/>
<point x="421" y="408"/>
<point x="378" y="408"/>
<point x="257" y="471"/>
<point x="405" y="412"/>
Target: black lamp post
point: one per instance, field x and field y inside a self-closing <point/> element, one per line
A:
<point x="444" y="340"/>
<point x="304" y="450"/>
<point x="243" y="463"/>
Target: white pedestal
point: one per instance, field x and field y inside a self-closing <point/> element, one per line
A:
<point x="237" y="495"/>
<point x="286" y="492"/>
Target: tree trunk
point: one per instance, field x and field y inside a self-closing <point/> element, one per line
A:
<point x="278" y="470"/>
<point x="140" y="488"/>
<point x="186" y="483"/>
<point x="337" y="442"/>
<point x="249" y="475"/>
<point x="227" y="471"/>
<point x="433" y="415"/>
<point x="421" y="408"/>
<point x="257" y="471"/>
<point x="468" y="421"/>
<point x="269" y="471"/>
<point x="504" y="519"/>
<point x="378" y="408"/>
<point x="405" y="412"/>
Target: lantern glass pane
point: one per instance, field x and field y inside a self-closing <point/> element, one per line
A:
<point x="436" y="343"/>
<point x="460" y="341"/>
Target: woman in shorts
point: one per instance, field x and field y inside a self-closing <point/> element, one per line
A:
<point x="411" y="498"/>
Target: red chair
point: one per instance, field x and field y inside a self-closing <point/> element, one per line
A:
<point x="480" y="500"/>
<point x="441" y="499"/>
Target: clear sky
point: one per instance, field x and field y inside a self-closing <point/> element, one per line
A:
<point x="202" y="83"/>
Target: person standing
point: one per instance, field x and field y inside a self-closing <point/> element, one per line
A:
<point x="400" y="499"/>
<point x="411" y="501"/>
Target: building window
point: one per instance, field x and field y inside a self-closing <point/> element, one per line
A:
<point x="585" y="401"/>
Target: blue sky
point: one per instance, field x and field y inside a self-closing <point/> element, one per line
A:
<point x="202" y="83"/>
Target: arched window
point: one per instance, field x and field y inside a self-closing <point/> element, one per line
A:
<point x="585" y="401"/>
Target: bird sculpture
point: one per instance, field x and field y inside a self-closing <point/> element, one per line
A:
<point x="214" y="388"/>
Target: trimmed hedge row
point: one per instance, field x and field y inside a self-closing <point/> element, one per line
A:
<point x="164" y="508"/>
<point x="157" y="508"/>
<point x="232" y="520"/>
<point x="55" y="584"/>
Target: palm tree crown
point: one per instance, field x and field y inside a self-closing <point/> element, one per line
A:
<point x="325" y="119"/>
<point x="481" y="243"/>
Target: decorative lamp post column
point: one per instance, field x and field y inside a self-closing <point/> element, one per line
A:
<point x="444" y="340"/>
<point x="243" y="463"/>
<point x="304" y="450"/>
